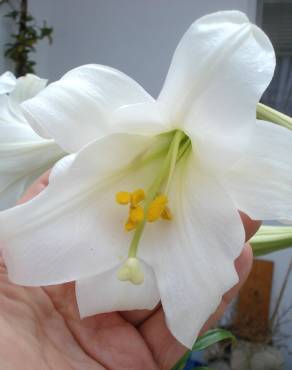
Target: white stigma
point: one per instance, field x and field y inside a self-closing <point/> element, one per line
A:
<point x="131" y="271"/>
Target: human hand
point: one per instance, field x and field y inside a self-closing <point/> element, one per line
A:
<point x="40" y="328"/>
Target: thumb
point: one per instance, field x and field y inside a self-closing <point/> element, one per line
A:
<point x="38" y="186"/>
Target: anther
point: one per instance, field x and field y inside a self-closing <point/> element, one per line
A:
<point x="123" y="197"/>
<point x="137" y="196"/>
<point x="166" y="214"/>
<point x="156" y="208"/>
<point x="136" y="213"/>
<point x="130" y="225"/>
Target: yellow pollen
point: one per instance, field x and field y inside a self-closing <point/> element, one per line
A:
<point x="156" y="208"/>
<point x="136" y="213"/>
<point x="137" y="196"/>
<point x="123" y="197"/>
<point x="130" y="225"/>
<point x="166" y="214"/>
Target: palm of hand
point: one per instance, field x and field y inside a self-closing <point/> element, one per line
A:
<point x="40" y="328"/>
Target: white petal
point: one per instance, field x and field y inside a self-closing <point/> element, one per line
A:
<point x="142" y="119"/>
<point x="106" y="293"/>
<point x="27" y="87"/>
<point x="11" y="114"/>
<point x="7" y="82"/>
<point x="77" y="109"/>
<point x="261" y="183"/>
<point x="218" y="73"/>
<point x="23" y="157"/>
<point x="74" y="228"/>
<point x="24" y="88"/>
<point x="193" y="255"/>
<point x="61" y="167"/>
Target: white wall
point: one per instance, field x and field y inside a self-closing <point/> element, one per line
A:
<point x="137" y="37"/>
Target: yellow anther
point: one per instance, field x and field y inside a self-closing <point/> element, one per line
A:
<point x="161" y="199"/>
<point x="136" y="214"/>
<point x="137" y="196"/>
<point x="166" y="214"/>
<point x="123" y="197"/>
<point x="156" y="208"/>
<point x="130" y="225"/>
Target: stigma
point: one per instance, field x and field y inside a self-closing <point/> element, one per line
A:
<point x="131" y="271"/>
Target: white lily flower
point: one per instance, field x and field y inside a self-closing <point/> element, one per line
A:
<point x="23" y="154"/>
<point x="188" y="160"/>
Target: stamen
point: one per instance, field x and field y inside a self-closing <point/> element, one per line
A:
<point x="130" y="225"/>
<point x="131" y="271"/>
<point x="156" y="208"/>
<point x="166" y="214"/>
<point x="136" y="213"/>
<point x="123" y="197"/>
<point x="137" y="196"/>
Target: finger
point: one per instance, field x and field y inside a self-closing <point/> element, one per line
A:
<point x="38" y="186"/>
<point x="250" y="226"/>
<point x="165" y="348"/>
<point x="137" y="317"/>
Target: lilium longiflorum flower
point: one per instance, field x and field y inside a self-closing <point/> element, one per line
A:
<point x="24" y="155"/>
<point x="147" y="209"/>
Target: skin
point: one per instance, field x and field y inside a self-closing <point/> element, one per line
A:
<point x="40" y="328"/>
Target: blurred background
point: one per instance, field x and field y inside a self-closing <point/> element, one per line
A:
<point x="139" y="37"/>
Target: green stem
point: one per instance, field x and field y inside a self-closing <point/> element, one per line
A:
<point x="266" y="113"/>
<point x="270" y="239"/>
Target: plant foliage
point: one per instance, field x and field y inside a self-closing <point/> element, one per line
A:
<point x="28" y="34"/>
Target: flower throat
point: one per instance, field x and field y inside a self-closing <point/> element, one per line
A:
<point x="151" y="205"/>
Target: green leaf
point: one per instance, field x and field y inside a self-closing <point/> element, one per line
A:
<point x="210" y="337"/>
<point x="182" y="361"/>
<point x="14" y="14"/>
<point x="201" y="368"/>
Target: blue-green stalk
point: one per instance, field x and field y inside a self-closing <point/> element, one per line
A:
<point x="271" y="239"/>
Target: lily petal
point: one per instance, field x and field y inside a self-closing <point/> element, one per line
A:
<point x="23" y="157"/>
<point x="105" y="293"/>
<point x="74" y="228"/>
<point x="261" y="182"/>
<point x="27" y="87"/>
<point x="77" y="109"/>
<point x="24" y="88"/>
<point x="193" y="255"/>
<point x="7" y="82"/>
<point x="218" y="73"/>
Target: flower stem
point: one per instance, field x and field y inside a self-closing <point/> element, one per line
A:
<point x="270" y="239"/>
<point x="266" y="113"/>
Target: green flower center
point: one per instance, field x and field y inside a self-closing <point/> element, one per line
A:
<point x="151" y="205"/>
